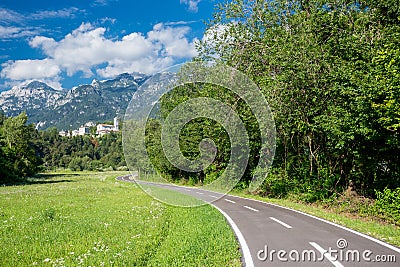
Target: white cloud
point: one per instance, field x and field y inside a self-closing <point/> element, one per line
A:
<point x="217" y="38"/>
<point x="13" y="32"/>
<point x="7" y="31"/>
<point x="13" y="24"/>
<point x="107" y="19"/>
<point x="181" y="22"/>
<point x="10" y="16"/>
<point x="102" y="2"/>
<point x="173" y="40"/>
<point x="218" y="32"/>
<point x="86" y="48"/>
<point x="30" y="69"/>
<point x="191" y="4"/>
<point x="70" y="12"/>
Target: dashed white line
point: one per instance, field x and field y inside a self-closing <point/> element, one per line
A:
<point x="250" y="208"/>
<point x="325" y="221"/>
<point x="280" y="222"/>
<point x="213" y="196"/>
<point x="327" y="255"/>
<point x="396" y="249"/>
<point x="230" y="201"/>
<point x="200" y="193"/>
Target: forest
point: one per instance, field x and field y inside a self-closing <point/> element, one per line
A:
<point x="24" y="151"/>
<point x="330" y="72"/>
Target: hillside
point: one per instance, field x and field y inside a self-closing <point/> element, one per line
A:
<point x="67" y="109"/>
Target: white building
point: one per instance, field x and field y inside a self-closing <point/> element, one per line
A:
<point x="116" y="126"/>
<point x="103" y="129"/>
<point x="90" y="124"/>
<point x="63" y="133"/>
<point x="83" y="130"/>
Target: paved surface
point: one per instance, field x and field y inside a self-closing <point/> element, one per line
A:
<point x="271" y="235"/>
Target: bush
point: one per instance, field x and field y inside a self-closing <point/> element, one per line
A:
<point x="122" y="168"/>
<point x="75" y="164"/>
<point x="109" y="168"/>
<point x="277" y="184"/>
<point x="97" y="165"/>
<point x="387" y="204"/>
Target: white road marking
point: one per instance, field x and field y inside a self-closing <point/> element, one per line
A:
<point x="188" y="190"/>
<point x="213" y="196"/>
<point x="396" y="249"/>
<point x="250" y="208"/>
<point x="248" y="260"/>
<point x="325" y="221"/>
<point x="231" y="201"/>
<point x="327" y="255"/>
<point x="200" y="193"/>
<point x="280" y="222"/>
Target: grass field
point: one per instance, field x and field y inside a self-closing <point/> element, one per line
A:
<point x="90" y="219"/>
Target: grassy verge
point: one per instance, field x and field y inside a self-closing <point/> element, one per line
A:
<point x="90" y="219"/>
<point x="363" y="223"/>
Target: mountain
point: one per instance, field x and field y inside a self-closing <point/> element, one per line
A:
<point x="68" y="109"/>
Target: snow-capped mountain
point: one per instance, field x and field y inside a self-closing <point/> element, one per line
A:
<point x="67" y="109"/>
<point x="31" y="96"/>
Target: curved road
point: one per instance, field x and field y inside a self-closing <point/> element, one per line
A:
<point x="271" y="235"/>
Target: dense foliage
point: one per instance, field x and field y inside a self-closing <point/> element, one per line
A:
<point x="200" y="129"/>
<point x="18" y="154"/>
<point x="25" y="151"/>
<point x="330" y="72"/>
<point x="387" y="205"/>
<point x="81" y="152"/>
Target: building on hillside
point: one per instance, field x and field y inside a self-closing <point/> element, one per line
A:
<point x="103" y="129"/>
<point x="84" y="130"/>
<point x="63" y="133"/>
<point x="116" y="125"/>
<point x="75" y="132"/>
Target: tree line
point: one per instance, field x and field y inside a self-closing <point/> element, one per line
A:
<point x="331" y="74"/>
<point x="24" y="151"/>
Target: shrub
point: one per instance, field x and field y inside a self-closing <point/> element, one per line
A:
<point x="75" y="164"/>
<point x="277" y="184"/>
<point x="387" y="204"/>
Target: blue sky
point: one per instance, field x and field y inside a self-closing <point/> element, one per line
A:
<point x="65" y="43"/>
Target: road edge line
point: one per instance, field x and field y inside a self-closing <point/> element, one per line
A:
<point x="248" y="260"/>
<point x="382" y="243"/>
<point x="392" y="247"/>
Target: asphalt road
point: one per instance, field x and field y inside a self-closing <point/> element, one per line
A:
<point x="271" y="235"/>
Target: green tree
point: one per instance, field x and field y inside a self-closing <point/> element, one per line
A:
<point x="329" y="72"/>
<point x="19" y="157"/>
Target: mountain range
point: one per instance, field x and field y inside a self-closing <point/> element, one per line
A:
<point x="67" y="109"/>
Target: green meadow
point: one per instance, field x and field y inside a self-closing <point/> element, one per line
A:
<point x="91" y="219"/>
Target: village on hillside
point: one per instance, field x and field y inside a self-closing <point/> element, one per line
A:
<point x="101" y="129"/>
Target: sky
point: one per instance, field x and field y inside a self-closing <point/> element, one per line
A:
<point x="66" y="43"/>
